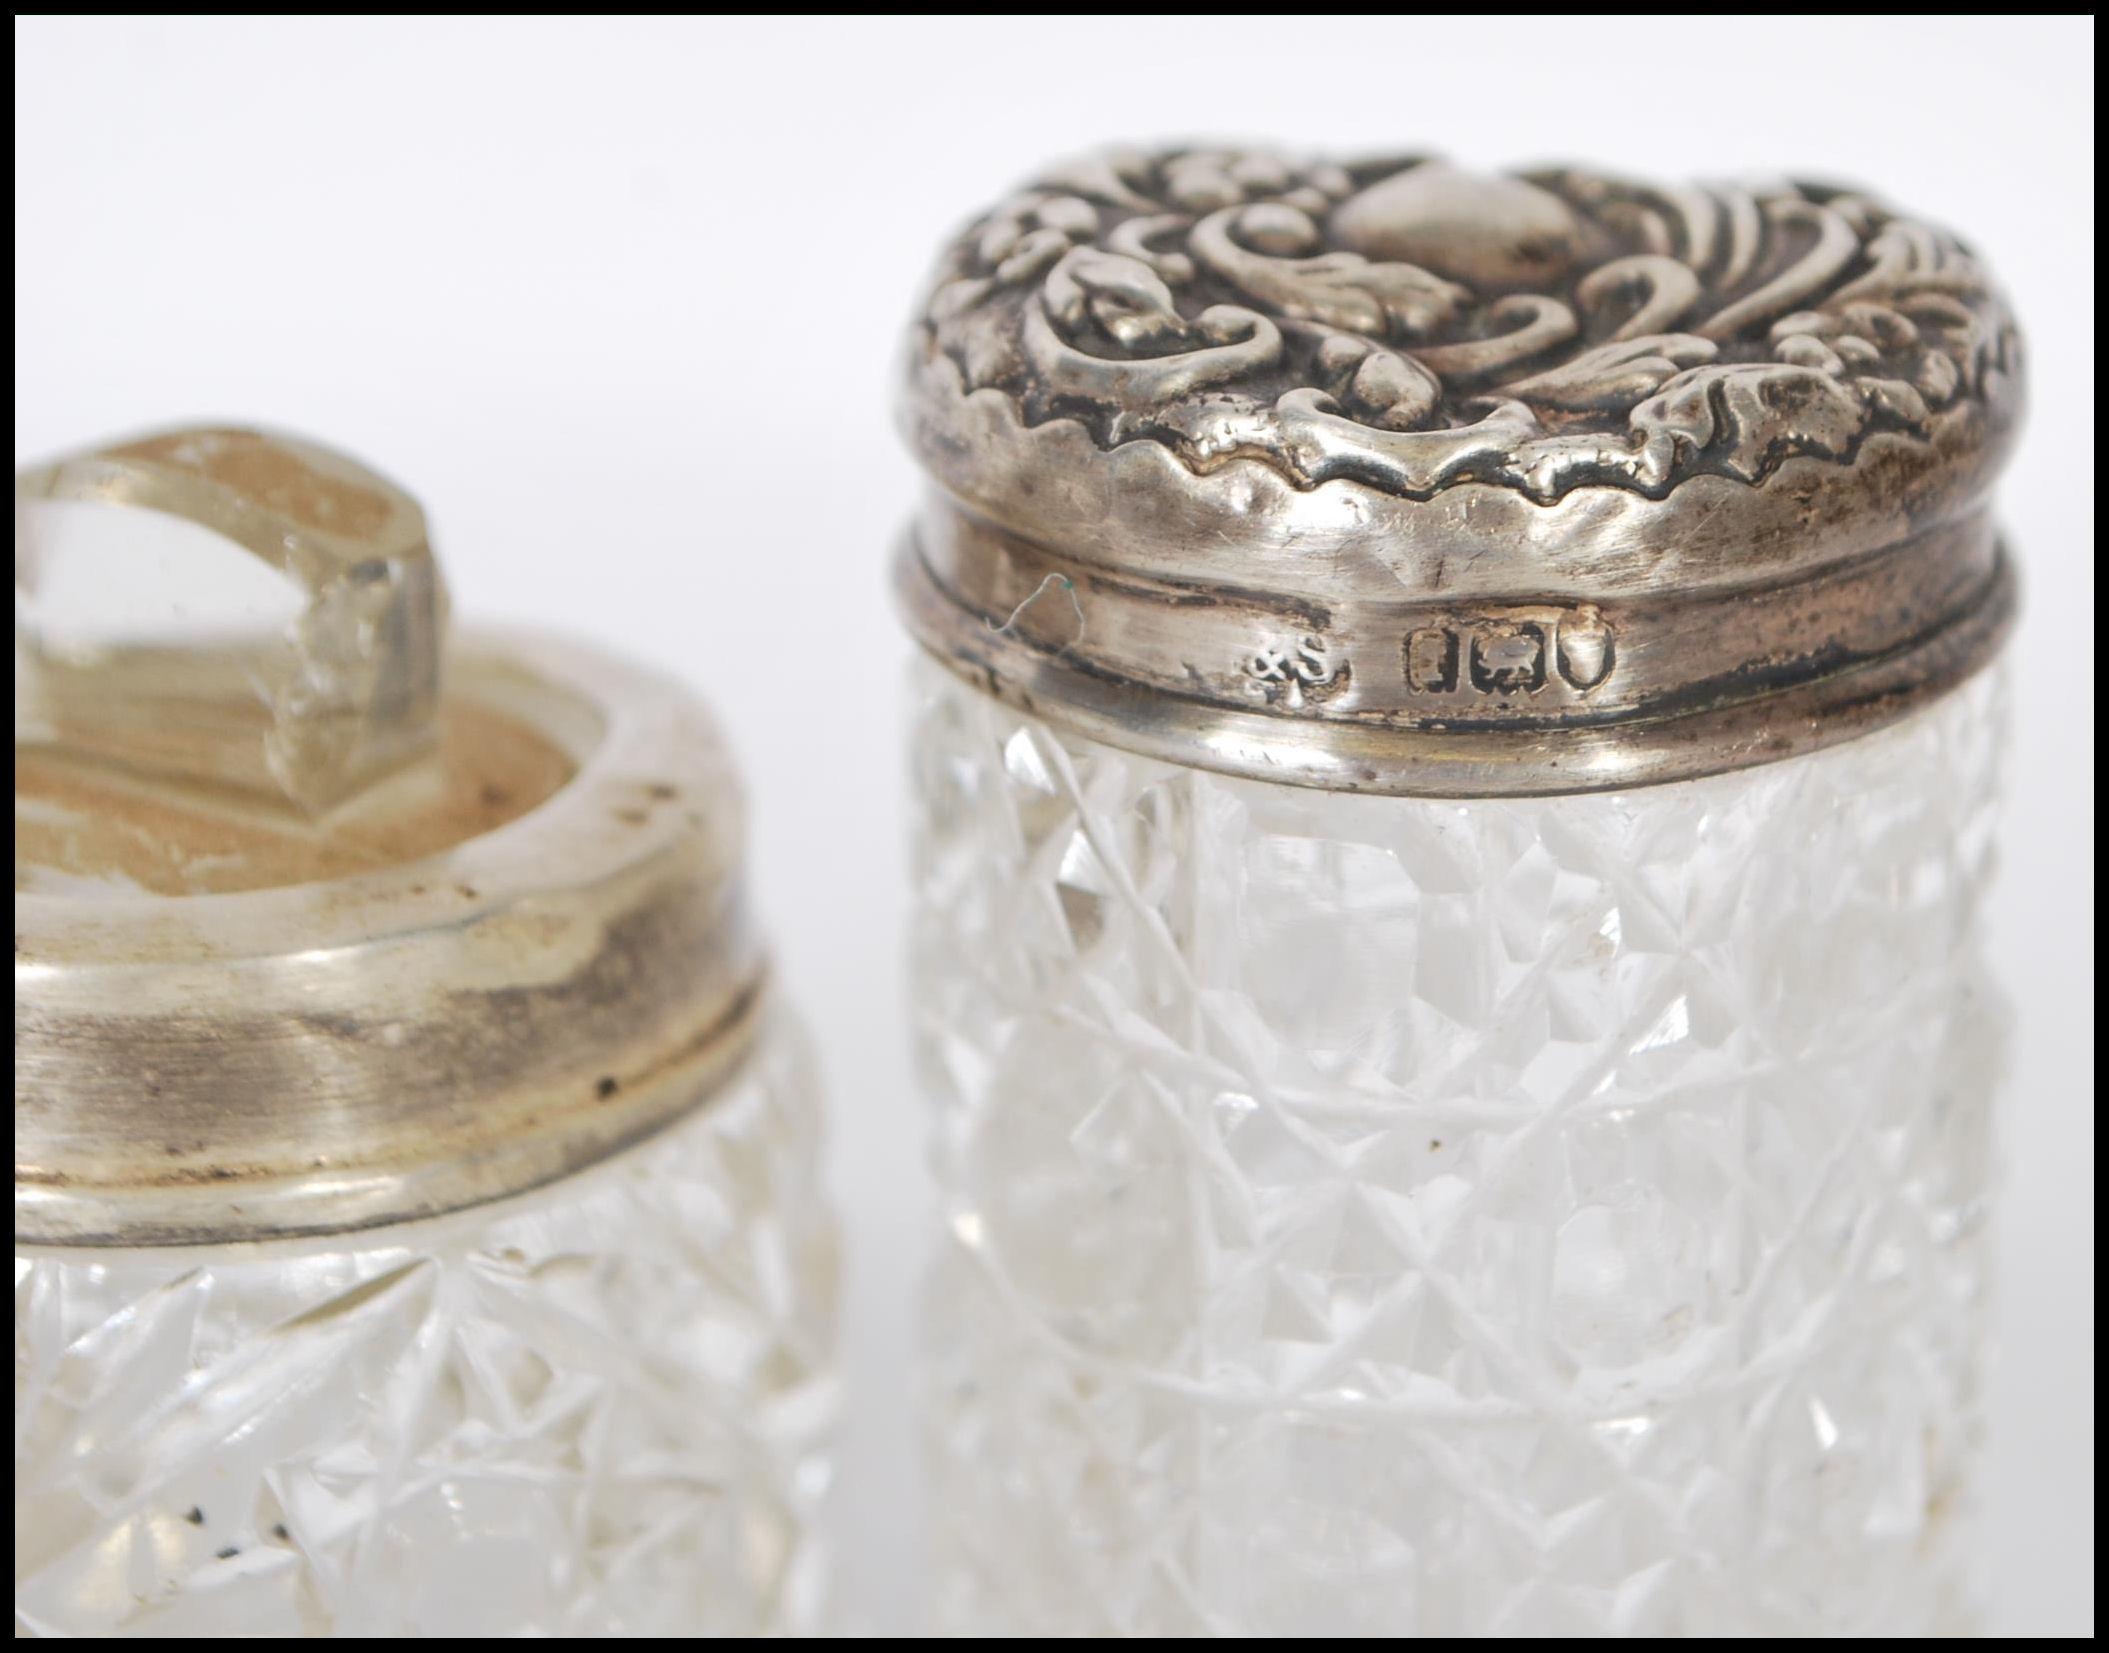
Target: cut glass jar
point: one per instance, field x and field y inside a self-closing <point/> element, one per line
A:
<point x="418" y="1227"/>
<point x="1454" y="799"/>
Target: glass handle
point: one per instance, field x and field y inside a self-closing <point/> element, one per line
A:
<point x="311" y="681"/>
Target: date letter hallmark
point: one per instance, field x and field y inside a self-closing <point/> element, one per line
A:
<point x="1295" y="675"/>
<point x="1500" y="656"/>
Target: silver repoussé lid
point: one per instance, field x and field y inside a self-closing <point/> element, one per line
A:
<point x="1390" y="477"/>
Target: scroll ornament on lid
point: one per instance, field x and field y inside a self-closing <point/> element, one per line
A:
<point x="1411" y="326"/>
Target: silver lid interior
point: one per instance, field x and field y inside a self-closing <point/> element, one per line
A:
<point x="321" y="923"/>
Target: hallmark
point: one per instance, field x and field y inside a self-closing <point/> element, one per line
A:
<point x="1431" y="660"/>
<point x="1508" y="658"/>
<point x="1292" y="672"/>
<point x="1510" y="655"/>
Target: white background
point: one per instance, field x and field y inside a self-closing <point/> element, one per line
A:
<point x="619" y="301"/>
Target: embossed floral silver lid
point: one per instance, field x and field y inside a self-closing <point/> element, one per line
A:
<point x="319" y="924"/>
<point x="1397" y="478"/>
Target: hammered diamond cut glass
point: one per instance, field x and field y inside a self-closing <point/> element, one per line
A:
<point x="418" y="1227"/>
<point x="596" y="1409"/>
<point x="1376" y="1215"/>
<point x="1455" y="782"/>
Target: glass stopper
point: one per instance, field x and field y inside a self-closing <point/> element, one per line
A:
<point x="309" y="675"/>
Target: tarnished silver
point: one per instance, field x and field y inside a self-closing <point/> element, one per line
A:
<point x="1393" y="478"/>
<point x="462" y="985"/>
